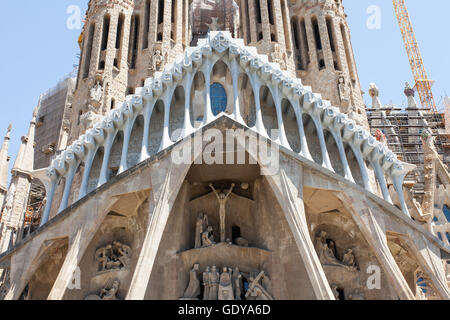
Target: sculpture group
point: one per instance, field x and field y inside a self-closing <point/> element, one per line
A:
<point x="227" y="285"/>
<point x="114" y="256"/>
<point x="326" y="250"/>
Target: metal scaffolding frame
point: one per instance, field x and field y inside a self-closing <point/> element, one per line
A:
<point x="403" y="130"/>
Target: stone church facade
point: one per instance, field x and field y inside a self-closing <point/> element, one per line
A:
<point x="124" y="218"/>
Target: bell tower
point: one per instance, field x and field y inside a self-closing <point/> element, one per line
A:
<point x="103" y="67"/>
<point x="265" y="25"/>
<point x="324" y="56"/>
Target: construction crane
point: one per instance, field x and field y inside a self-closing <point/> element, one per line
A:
<point x="423" y="84"/>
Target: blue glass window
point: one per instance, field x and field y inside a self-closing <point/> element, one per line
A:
<point x="218" y="98"/>
<point x="447" y="212"/>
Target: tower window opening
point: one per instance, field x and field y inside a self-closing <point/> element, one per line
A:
<point x="88" y="57"/>
<point x="106" y="23"/>
<point x="160" y="11"/>
<point x="295" y="33"/>
<point x="113" y="104"/>
<point x="316" y="30"/>
<point x="330" y="33"/>
<point x="134" y="41"/>
<point x="270" y="11"/>
<point x="174" y="34"/>
<point x="146" y="25"/>
<point x="258" y="11"/>
<point x="101" y="65"/>
<point x="304" y="35"/>
<point x="119" y="34"/>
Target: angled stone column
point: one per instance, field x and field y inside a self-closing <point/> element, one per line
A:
<point x="373" y="231"/>
<point x="431" y="263"/>
<point x="78" y="243"/>
<point x="287" y="186"/>
<point x="167" y="179"/>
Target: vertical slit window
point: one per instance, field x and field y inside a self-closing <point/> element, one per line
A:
<point x="146" y="24"/>
<point x="270" y="11"/>
<point x="134" y="41"/>
<point x="106" y="23"/>
<point x="160" y="11"/>
<point x="174" y="20"/>
<point x="258" y="11"/>
<point x="330" y="34"/>
<point x="87" y="63"/>
<point x="304" y="35"/>
<point x="316" y="30"/>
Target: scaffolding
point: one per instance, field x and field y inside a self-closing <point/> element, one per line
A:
<point x="403" y="129"/>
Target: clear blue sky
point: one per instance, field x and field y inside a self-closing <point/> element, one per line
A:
<point x="38" y="49"/>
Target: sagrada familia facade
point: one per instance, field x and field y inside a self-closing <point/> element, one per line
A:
<point x="98" y="208"/>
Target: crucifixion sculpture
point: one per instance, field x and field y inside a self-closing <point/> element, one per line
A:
<point x="222" y="197"/>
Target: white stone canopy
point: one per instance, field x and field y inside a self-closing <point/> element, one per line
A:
<point x="220" y="46"/>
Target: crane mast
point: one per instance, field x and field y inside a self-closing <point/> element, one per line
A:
<point x="422" y="83"/>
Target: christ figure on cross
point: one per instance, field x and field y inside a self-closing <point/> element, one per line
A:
<point x="222" y="203"/>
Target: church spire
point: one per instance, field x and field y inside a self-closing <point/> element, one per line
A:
<point x="4" y="161"/>
<point x="25" y="158"/>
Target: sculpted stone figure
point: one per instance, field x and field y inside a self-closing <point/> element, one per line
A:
<point x="222" y="197"/>
<point x="156" y="61"/>
<point x="225" y="285"/>
<point x="193" y="290"/>
<point x="201" y="226"/>
<point x="349" y="258"/>
<point x="208" y="238"/>
<point x="96" y="94"/>
<point x="214" y="278"/>
<point x="334" y="288"/>
<point x="344" y="94"/>
<point x="238" y="284"/>
<point x="207" y="284"/>
<point x="256" y="291"/>
<point x="114" y="256"/>
<point x="110" y="294"/>
<point x="106" y="294"/>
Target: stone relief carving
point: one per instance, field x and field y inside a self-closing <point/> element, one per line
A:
<point x="114" y="256"/>
<point x="96" y="95"/>
<point x="106" y="293"/>
<point x="277" y="57"/>
<point x="157" y="60"/>
<point x="256" y="290"/>
<point x="327" y="253"/>
<point x="193" y="290"/>
<point x="345" y="92"/>
<point x="222" y="198"/>
<point x="228" y="285"/>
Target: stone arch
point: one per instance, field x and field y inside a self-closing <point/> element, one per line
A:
<point x="291" y="125"/>
<point x="333" y="153"/>
<point x="176" y="121"/>
<point x="247" y="100"/>
<point x="312" y="138"/>
<point x="197" y="107"/>
<point x="269" y="111"/>
<point x="135" y="144"/>
<point x="221" y="75"/>
<point x="116" y="155"/>
<point x="155" y="133"/>
<point x="49" y="265"/>
<point x="96" y="167"/>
